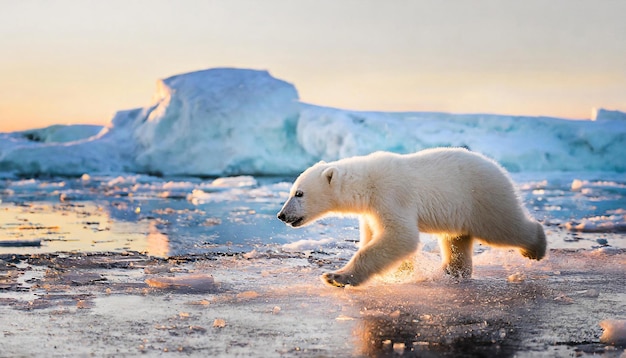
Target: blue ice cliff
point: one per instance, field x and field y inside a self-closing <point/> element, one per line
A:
<point x="225" y="121"/>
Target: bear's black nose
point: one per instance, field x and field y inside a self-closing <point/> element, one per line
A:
<point x="281" y="216"/>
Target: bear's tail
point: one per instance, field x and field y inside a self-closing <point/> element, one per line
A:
<point x="538" y="250"/>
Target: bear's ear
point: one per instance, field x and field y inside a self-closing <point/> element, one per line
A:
<point x="330" y="173"/>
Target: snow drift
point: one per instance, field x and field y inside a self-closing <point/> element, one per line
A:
<point x="233" y="121"/>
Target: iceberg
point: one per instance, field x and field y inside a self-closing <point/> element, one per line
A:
<point x="111" y="150"/>
<point x="227" y="122"/>
<point x="518" y="143"/>
<point x="220" y="122"/>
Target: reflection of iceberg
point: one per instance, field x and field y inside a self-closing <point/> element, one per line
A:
<point x="230" y="121"/>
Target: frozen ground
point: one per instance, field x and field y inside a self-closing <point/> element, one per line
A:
<point x="272" y="304"/>
<point x="222" y="276"/>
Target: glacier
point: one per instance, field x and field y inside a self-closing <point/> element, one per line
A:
<point x="227" y="121"/>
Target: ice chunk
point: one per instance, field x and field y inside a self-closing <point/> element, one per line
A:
<point x="219" y="323"/>
<point x="517" y="277"/>
<point x="577" y="184"/>
<point x="614" y="332"/>
<point x="307" y="244"/>
<point x="605" y="223"/>
<point x="399" y="348"/>
<point x="194" y="283"/>
<point x="232" y="182"/>
<point x="247" y="295"/>
<point x="590" y="293"/>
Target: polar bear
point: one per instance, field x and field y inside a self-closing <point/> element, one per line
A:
<point x="459" y="195"/>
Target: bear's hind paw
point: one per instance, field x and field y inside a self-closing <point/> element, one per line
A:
<point x="457" y="273"/>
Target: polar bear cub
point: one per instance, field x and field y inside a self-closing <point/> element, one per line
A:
<point x="460" y="196"/>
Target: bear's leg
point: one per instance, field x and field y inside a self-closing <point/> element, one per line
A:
<point x="456" y="253"/>
<point x="537" y="250"/>
<point x="524" y="234"/>
<point x="379" y="255"/>
<point x="365" y="230"/>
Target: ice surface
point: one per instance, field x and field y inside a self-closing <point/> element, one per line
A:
<point x="277" y="303"/>
<point x="225" y="121"/>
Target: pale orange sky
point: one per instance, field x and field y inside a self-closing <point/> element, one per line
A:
<point x="68" y="62"/>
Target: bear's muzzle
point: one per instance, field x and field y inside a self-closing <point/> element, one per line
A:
<point x="293" y="221"/>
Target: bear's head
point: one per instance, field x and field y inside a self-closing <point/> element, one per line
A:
<point x="312" y="195"/>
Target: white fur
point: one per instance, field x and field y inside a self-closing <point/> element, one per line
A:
<point x="454" y="193"/>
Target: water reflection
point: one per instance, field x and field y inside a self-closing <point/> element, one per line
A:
<point x="429" y="319"/>
<point x="157" y="242"/>
<point x="42" y="227"/>
<point x="410" y="333"/>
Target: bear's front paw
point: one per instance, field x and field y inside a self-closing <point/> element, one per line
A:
<point x="339" y="279"/>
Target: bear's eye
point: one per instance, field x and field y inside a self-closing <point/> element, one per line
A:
<point x="298" y="194"/>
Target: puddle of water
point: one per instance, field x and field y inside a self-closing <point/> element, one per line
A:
<point x="41" y="227"/>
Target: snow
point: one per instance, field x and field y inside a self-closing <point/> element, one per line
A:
<point x="225" y="122"/>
